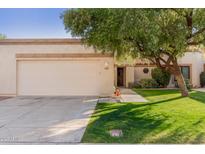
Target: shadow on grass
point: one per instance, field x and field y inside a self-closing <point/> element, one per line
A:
<point x="182" y="134"/>
<point x="132" y="119"/>
<point x="199" y="96"/>
<point x="103" y="107"/>
<point x="141" y="125"/>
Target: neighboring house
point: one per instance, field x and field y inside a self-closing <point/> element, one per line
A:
<point x="56" y="67"/>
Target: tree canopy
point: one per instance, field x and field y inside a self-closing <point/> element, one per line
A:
<point x="2" y="36"/>
<point x="159" y="35"/>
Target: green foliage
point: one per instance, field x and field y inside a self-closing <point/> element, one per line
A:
<point x="137" y="85"/>
<point x="148" y="83"/>
<point x="202" y="79"/>
<point x="144" y="33"/>
<point x="158" y="35"/>
<point x="162" y="77"/>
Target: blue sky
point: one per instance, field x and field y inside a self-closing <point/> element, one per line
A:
<point x="32" y="23"/>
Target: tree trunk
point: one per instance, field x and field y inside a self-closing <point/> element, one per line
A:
<point x="175" y="70"/>
<point x="181" y="83"/>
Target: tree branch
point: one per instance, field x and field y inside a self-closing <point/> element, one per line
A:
<point x="169" y="60"/>
<point x="195" y="43"/>
<point x="158" y="62"/>
<point x="189" y="21"/>
<point x="163" y="60"/>
<point x="152" y="60"/>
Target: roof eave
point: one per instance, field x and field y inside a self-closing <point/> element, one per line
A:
<point x="39" y="41"/>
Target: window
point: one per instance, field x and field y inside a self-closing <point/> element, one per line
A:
<point x="185" y="71"/>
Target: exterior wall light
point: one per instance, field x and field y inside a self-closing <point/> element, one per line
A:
<point x="106" y="66"/>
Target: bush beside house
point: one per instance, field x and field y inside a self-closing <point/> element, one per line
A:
<point x="148" y="83"/>
<point x="161" y="77"/>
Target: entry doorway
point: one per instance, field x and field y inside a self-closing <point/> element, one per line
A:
<point x="120" y="76"/>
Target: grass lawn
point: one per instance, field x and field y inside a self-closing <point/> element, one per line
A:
<point x="167" y="118"/>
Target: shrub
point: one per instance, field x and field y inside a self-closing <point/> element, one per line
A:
<point x="162" y="77"/>
<point x="130" y="85"/>
<point x="188" y="84"/>
<point x="137" y="85"/>
<point x="148" y="83"/>
<point x="202" y="79"/>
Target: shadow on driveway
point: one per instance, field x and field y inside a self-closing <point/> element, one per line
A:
<point x="44" y="120"/>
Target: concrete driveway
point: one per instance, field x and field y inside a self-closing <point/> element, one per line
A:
<point x="44" y="120"/>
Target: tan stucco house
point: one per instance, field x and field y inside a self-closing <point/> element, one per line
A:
<point x="192" y="64"/>
<point x="66" y="67"/>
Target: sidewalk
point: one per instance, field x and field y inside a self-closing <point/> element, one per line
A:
<point x="127" y="95"/>
<point x="199" y="89"/>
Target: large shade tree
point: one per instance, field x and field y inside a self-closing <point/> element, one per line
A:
<point x="158" y="35"/>
<point x="2" y="36"/>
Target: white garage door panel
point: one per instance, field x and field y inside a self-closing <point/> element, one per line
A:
<point x="59" y="77"/>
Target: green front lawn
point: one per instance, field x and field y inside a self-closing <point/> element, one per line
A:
<point x="167" y="118"/>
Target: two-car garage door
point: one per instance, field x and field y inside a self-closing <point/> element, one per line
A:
<point x="63" y="77"/>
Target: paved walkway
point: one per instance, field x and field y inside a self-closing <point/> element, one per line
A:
<point x="200" y="89"/>
<point x="4" y="97"/>
<point x="128" y="95"/>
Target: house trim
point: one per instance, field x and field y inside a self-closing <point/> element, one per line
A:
<point x="61" y="55"/>
<point x="8" y="94"/>
<point x="40" y="41"/>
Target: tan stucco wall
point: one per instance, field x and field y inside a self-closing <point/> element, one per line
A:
<point x="8" y="62"/>
<point x="139" y="74"/>
<point x="129" y="75"/>
<point x="115" y="76"/>
<point x="194" y="59"/>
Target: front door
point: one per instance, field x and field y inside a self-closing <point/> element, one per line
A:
<point x="120" y="76"/>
